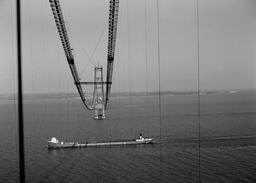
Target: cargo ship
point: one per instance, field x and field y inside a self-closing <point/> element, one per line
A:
<point x="54" y="143"/>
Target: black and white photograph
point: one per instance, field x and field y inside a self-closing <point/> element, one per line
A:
<point x="127" y="91"/>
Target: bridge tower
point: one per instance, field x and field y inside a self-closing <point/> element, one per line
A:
<point x="98" y="94"/>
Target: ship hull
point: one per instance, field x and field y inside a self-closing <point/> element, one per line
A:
<point x="52" y="145"/>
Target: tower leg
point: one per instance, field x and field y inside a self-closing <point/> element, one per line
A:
<point x="98" y="94"/>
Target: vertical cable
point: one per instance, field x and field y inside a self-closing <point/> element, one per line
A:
<point x="159" y="87"/>
<point x="146" y="60"/>
<point x="129" y="63"/>
<point x="14" y="88"/>
<point x="198" y="93"/>
<point x="119" y="101"/>
<point x="20" y="95"/>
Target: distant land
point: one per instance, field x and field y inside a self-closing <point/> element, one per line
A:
<point x="31" y="96"/>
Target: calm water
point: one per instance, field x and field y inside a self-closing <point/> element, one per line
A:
<point x="227" y="146"/>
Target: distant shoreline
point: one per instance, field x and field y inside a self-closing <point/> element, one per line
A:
<point x="28" y="96"/>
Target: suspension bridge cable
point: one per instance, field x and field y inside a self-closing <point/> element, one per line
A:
<point x="31" y="56"/>
<point x="79" y="44"/>
<point x="60" y="23"/>
<point x="119" y="101"/>
<point x="14" y="84"/>
<point x="20" y="95"/>
<point x="146" y="60"/>
<point x="112" y="31"/>
<point x="159" y="87"/>
<point x="98" y="42"/>
<point x="129" y="61"/>
<point x="73" y="35"/>
<point x="198" y="92"/>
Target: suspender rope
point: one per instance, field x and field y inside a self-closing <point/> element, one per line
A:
<point x="198" y="93"/>
<point x="159" y="88"/>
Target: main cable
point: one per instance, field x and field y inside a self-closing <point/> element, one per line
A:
<point x="14" y="84"/>
<point x="20" y="95"/>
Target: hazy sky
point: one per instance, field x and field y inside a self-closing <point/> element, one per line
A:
<point x="227" y="44"/>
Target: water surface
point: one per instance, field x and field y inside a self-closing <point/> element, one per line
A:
<point x="227" y="139"/>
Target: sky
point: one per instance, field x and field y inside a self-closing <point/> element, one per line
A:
<point x="227" y="45"/>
